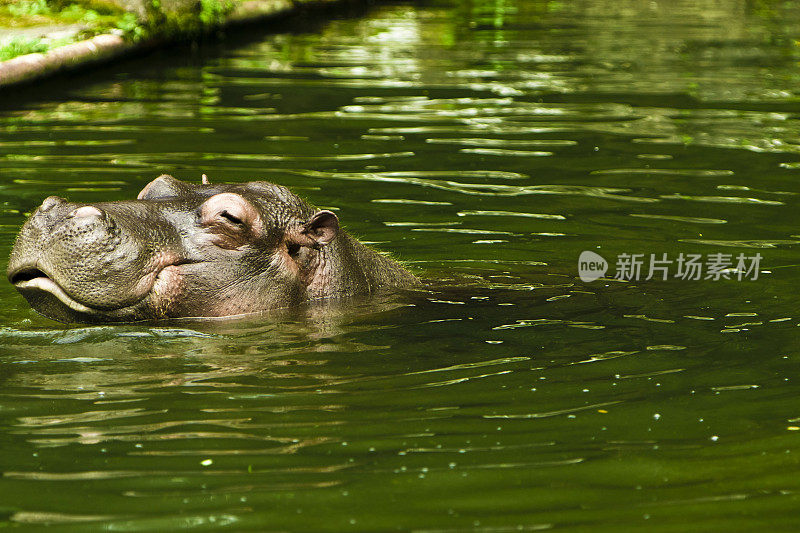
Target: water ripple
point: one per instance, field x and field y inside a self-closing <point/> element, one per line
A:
<point x="559" y="412"/>
<point x="775" y="243"/>
<point x="721" y="199"/>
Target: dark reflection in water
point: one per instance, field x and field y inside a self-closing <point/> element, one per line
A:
<point x="487" y="144"/>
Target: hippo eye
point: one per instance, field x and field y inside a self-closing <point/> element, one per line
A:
<point x="231" y="218"/>
<point x="232" y="211"/>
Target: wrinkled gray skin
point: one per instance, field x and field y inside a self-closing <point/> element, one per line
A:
<point x="183" y="250"/>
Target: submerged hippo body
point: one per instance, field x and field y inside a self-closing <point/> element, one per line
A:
<point x="183" y="250"/>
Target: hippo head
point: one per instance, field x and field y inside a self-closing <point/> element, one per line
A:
<point x="178" y="250"/>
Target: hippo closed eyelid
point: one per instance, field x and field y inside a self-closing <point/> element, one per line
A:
<point x="230" y="208"/>
<point x="231" y="218"/>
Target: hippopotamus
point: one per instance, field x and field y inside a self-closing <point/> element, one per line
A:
<point x="190" y="250"/>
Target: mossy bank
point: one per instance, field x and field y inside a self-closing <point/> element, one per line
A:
<point x="42" y="37"/>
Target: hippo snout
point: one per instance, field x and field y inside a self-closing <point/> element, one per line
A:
<point x="75" y="260"/>
<point x="57" y="215"/>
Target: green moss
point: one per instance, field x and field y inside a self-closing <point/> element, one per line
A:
<point x="213" y="12"/>
<point x="102" y="7"/>
<point x="92" y="13"/>
<point x="205" y="15"/>
<point x="20" y="47"/>
<point x="102" y="16"/>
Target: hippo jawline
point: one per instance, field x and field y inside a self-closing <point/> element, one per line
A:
<point x="31" y="278"/>
<point x="47" y="296"/>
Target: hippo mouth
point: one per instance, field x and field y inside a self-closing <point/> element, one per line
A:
<point x="47" y="296"/>
<point x="27" y="279"/>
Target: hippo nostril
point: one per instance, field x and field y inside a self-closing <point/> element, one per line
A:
<point x="50" y="202"/>
<point x="86" y="211"/>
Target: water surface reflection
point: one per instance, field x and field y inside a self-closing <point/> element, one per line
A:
<point x="487" y="144"/>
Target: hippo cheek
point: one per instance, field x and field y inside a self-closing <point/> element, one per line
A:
<point x="223" y="289"/>
<point x="119" y="281"/>
<point x="167" y="290"/>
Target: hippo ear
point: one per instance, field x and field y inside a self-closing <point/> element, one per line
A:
<point x="164" y="186"/>
<point x="320" y="229"/>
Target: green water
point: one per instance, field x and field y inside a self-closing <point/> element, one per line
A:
<point x="488" y="144"/>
